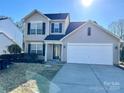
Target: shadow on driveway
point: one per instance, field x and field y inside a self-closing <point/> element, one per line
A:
<point x="82" y="78"/>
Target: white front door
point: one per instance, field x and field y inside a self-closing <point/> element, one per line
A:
<point x="90" y="53"/>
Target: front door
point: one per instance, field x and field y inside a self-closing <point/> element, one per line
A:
<point x="57" y="51"/>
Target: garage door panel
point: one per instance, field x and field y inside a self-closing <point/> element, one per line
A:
<point x="90" y="54"/>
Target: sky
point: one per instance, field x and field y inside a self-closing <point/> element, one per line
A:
<point x="102" y="11"/>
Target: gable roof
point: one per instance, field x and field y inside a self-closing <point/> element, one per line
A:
<point x="57" y="16"/>
<point x="54" y="16"/>
<point x="33" y="12"/>
<point x="106" y="31"/>
<point x="8" y="37"/>
<point x="95" y="24"/>
<point x="72" y="26"/>
<point x="13" y="32"/>
<point x="76" y="25"/>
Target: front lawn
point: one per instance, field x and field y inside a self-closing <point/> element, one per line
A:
<point x="20" y="73"/>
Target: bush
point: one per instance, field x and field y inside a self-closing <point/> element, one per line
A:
<point x="14" y="49"/>
<point x="22" y="57"/>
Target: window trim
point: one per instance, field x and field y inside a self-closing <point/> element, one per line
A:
<point x="36" y="22"/>
<point x="56" y="26"/>
<point x="36" y="43"/>
<point x="58" y="23"/>
<point x="35" y="29"/>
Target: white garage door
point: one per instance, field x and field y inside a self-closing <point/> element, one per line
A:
<point x="90" y="53"/>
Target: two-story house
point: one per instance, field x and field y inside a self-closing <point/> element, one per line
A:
<point x="54" y="36"/>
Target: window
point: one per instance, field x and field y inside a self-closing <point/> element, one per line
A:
<point x="56" y="27"/>
<point x="89" y="31"/>
<point x="33" y="48"/>
<point x="33" y="28"/>
<point x="37" y="48"/>
<point x="37" y="28"/>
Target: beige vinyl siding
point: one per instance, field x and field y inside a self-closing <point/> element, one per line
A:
<point x="97" y="36"/>
<point x="36" y="18"/>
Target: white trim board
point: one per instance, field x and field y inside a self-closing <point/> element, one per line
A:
<point x="33" y="12"/>
<point x="80" y="44"/>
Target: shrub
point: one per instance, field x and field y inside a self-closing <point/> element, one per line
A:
<point x="14" y="49"/>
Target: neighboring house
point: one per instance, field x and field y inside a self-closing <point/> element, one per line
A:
<point x="54" y="36"/>
<point x="9" y="34"/>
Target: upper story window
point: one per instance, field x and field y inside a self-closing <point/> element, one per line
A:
<point x="56" y="28"/>
<point x="89" y="31"/>
<point x="36" y="28"/>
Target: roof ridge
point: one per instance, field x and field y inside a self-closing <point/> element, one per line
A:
<point x="55" y="13"/>
<point x="77" y="21"/>
<point x="57" y="16"/>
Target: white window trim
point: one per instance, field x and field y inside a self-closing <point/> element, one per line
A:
<point x="36" y="22"/>
<point x="57" y="33"/>
<point x="57" y="23"/>
<point x="54" y="26"/>
<point x="36" y="43"/>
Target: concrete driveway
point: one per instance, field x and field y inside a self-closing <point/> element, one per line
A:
<point x="80" y="78"/>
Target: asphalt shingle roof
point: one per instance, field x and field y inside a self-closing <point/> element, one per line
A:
<point x="54" y="37"/>
<point x="3" y="17"/>
<point x="57" y="16"/>
<point x="72" y="26"/>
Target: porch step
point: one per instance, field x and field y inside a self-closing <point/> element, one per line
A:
<point x="55" y="62"/>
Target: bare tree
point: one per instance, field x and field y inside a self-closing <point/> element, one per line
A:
<point x="19" y="25"/>
<point x="117" y="28"/>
